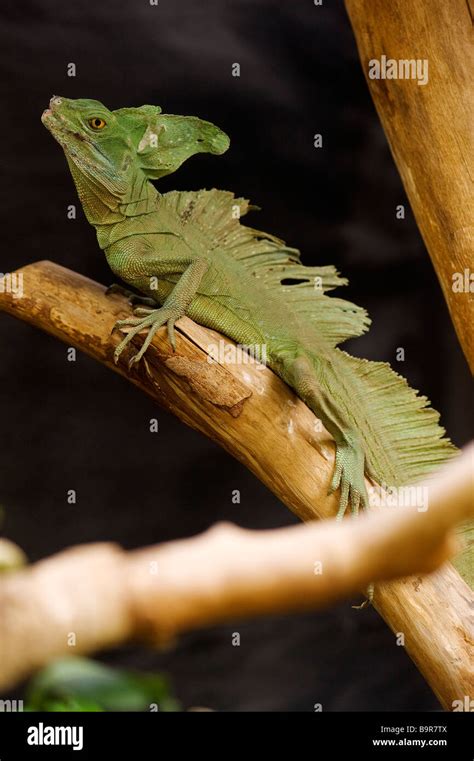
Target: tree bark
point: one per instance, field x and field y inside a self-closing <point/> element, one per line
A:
<point x="261" y="422"/>
<point x="429" y="130"/>
<point x="92" y="597"/>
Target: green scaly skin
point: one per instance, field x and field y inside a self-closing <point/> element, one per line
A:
<point x="191" y="255"/>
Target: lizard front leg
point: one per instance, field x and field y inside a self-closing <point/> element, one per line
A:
<point x="174" y="307"/>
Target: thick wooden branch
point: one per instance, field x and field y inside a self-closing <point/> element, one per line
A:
<point x="429" y="129"/>
<point x="254" y="416"/>
<point x="91" y="597"/>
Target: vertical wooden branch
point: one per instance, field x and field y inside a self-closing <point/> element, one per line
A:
<point x="430" y="129"/>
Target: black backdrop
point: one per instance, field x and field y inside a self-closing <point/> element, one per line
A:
<point x="77" y="426"/>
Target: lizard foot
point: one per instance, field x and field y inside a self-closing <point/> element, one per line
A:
<point x="153" y="320"/>
<point x="349" y="477"/>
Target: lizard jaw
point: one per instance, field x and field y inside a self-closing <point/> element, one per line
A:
<point x="48" y="112"/>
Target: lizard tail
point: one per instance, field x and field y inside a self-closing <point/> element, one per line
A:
<point x="383" y="429"/>
<point x="403" y="440"/>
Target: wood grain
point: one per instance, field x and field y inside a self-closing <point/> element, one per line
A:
<point x="430" y="130"/>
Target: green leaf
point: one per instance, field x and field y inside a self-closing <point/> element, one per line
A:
<point x="81" y="684"/>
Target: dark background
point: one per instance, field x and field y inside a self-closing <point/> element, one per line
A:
<point x="78" y="426"/>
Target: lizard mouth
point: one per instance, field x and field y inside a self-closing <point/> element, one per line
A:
<point x="57" y="124"/>
<point x="78" y="147"/>
<point x="48" y="118"/>
<point x="53" y="121"/>
<point x="48" y="113"/>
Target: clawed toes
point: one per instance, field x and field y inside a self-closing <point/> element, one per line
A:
<point x="153" y="320"/>
<point x="130" y="322"/>
<point x="118" y="351"/>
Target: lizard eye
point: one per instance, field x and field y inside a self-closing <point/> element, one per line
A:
<point x="97" y="123"/>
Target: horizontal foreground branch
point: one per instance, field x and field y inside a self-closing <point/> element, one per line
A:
<point x="261" y="422"/>
<point x="92" y="597"/>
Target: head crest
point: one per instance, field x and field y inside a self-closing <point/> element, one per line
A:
<point x="164" y="141"/>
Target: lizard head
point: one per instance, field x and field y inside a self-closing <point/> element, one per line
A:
<point x="110" y="146"/>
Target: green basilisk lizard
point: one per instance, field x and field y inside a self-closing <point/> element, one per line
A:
<point x="190" y="253"/>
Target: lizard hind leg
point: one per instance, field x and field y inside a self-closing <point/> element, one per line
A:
<point x="308" y="378"/>
<point x="349" y="471"/>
